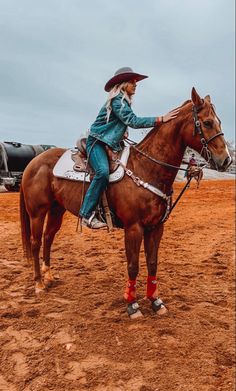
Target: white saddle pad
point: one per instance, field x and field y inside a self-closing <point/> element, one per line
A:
<point x="64" y="168"/>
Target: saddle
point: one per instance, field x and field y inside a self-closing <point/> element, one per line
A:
<point x="81" y="164"/>
<point x="79" y="156"/>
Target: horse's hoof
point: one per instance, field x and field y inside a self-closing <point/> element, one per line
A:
<point x="136" y="315"/>
<point x="48" y="276"/>
<point x="134" y="311"/>
<point x="28" y="261"/>
<point x="39" y="287"/>
<point x="45" y="268"/>
<point x="48" y="282"/>
<point x="159" y="307"/>
<point x="162" y="311"/>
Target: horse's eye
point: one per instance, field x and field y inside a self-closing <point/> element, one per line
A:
<point x="207" y="124"/>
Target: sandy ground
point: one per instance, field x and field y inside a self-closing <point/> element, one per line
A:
<point x="77" y="335"/>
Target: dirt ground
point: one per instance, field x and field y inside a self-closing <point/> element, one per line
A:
<point x="77" y="336"/>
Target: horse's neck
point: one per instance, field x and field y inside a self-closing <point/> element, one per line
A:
<point x="164" y="144"/>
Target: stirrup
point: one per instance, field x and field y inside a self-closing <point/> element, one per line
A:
<point x="93" y="222"/>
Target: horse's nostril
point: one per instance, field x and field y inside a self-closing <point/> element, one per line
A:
<point x="227" y="162"/>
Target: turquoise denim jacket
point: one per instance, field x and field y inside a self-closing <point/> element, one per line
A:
<point x="122" y="116"/>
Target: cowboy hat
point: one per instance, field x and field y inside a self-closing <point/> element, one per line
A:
<point x="122" y="75"/>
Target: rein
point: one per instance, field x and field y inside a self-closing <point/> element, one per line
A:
<point x="139" y="182"/>
<point x="205" y="149"/>
<point x="152" y="158"/>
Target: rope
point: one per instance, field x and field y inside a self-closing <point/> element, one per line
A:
<point x="132" y="143"/>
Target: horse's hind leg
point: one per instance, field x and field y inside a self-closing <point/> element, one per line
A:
<point x="36" y="241"/>
<point x="54" y="221"/>
<point x="25" y="229"/>
<point x="152" y="240"/>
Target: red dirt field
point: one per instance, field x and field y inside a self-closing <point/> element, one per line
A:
<point x="77" y="335"/>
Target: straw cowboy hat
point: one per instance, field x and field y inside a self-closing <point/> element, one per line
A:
<point x="122" y="75"/>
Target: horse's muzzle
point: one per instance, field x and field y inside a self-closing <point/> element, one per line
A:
<point x="221" y="164"/>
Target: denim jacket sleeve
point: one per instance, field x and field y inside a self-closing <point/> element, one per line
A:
<point x="124" y="112"/>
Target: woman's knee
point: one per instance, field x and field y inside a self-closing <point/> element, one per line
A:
<point x="103" y="173"/>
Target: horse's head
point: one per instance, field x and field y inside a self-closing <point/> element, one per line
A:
<point x="204" y="133"/>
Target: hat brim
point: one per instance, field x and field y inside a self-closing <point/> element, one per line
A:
<point x="123" y="77"/>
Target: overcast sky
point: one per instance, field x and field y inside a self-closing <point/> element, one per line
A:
<point x="57" y="55"/>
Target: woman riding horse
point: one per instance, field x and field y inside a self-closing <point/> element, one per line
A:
<point x="139" y="201"/>
<point x="109" y="129"/>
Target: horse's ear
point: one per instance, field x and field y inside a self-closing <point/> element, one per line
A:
<point x="208" y="98"/>
<point x="196" y="98"/>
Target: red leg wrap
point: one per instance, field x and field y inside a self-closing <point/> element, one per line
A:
<point x="130" y="291"/>
<point x="152" y="290"/>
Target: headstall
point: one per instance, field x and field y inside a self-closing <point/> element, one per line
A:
<point x="205" y="152"/>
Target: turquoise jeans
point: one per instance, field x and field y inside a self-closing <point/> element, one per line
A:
<point x="99" y="162"/>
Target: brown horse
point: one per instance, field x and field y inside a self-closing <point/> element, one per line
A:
<point x="139" y="209"/>
<point x="196" y="173"/>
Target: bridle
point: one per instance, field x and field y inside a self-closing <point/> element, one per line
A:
<point x="205" y="152"/>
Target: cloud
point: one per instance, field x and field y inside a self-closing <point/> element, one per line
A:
<point x="57" y="56"/>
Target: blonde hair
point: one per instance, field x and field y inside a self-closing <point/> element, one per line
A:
<point x="116" y="90"/>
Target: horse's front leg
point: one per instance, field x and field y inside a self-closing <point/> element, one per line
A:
<point x="133" y="240"/>
<point x="152" y="240"/>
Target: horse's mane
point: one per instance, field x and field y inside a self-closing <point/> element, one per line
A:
<point x="153" y="130"/>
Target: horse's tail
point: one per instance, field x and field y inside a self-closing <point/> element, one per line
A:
<point x="25" y="227"/>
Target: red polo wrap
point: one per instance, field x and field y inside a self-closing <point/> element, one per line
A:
<point x="152" y="290"/>
<point x="130" y="291"/>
